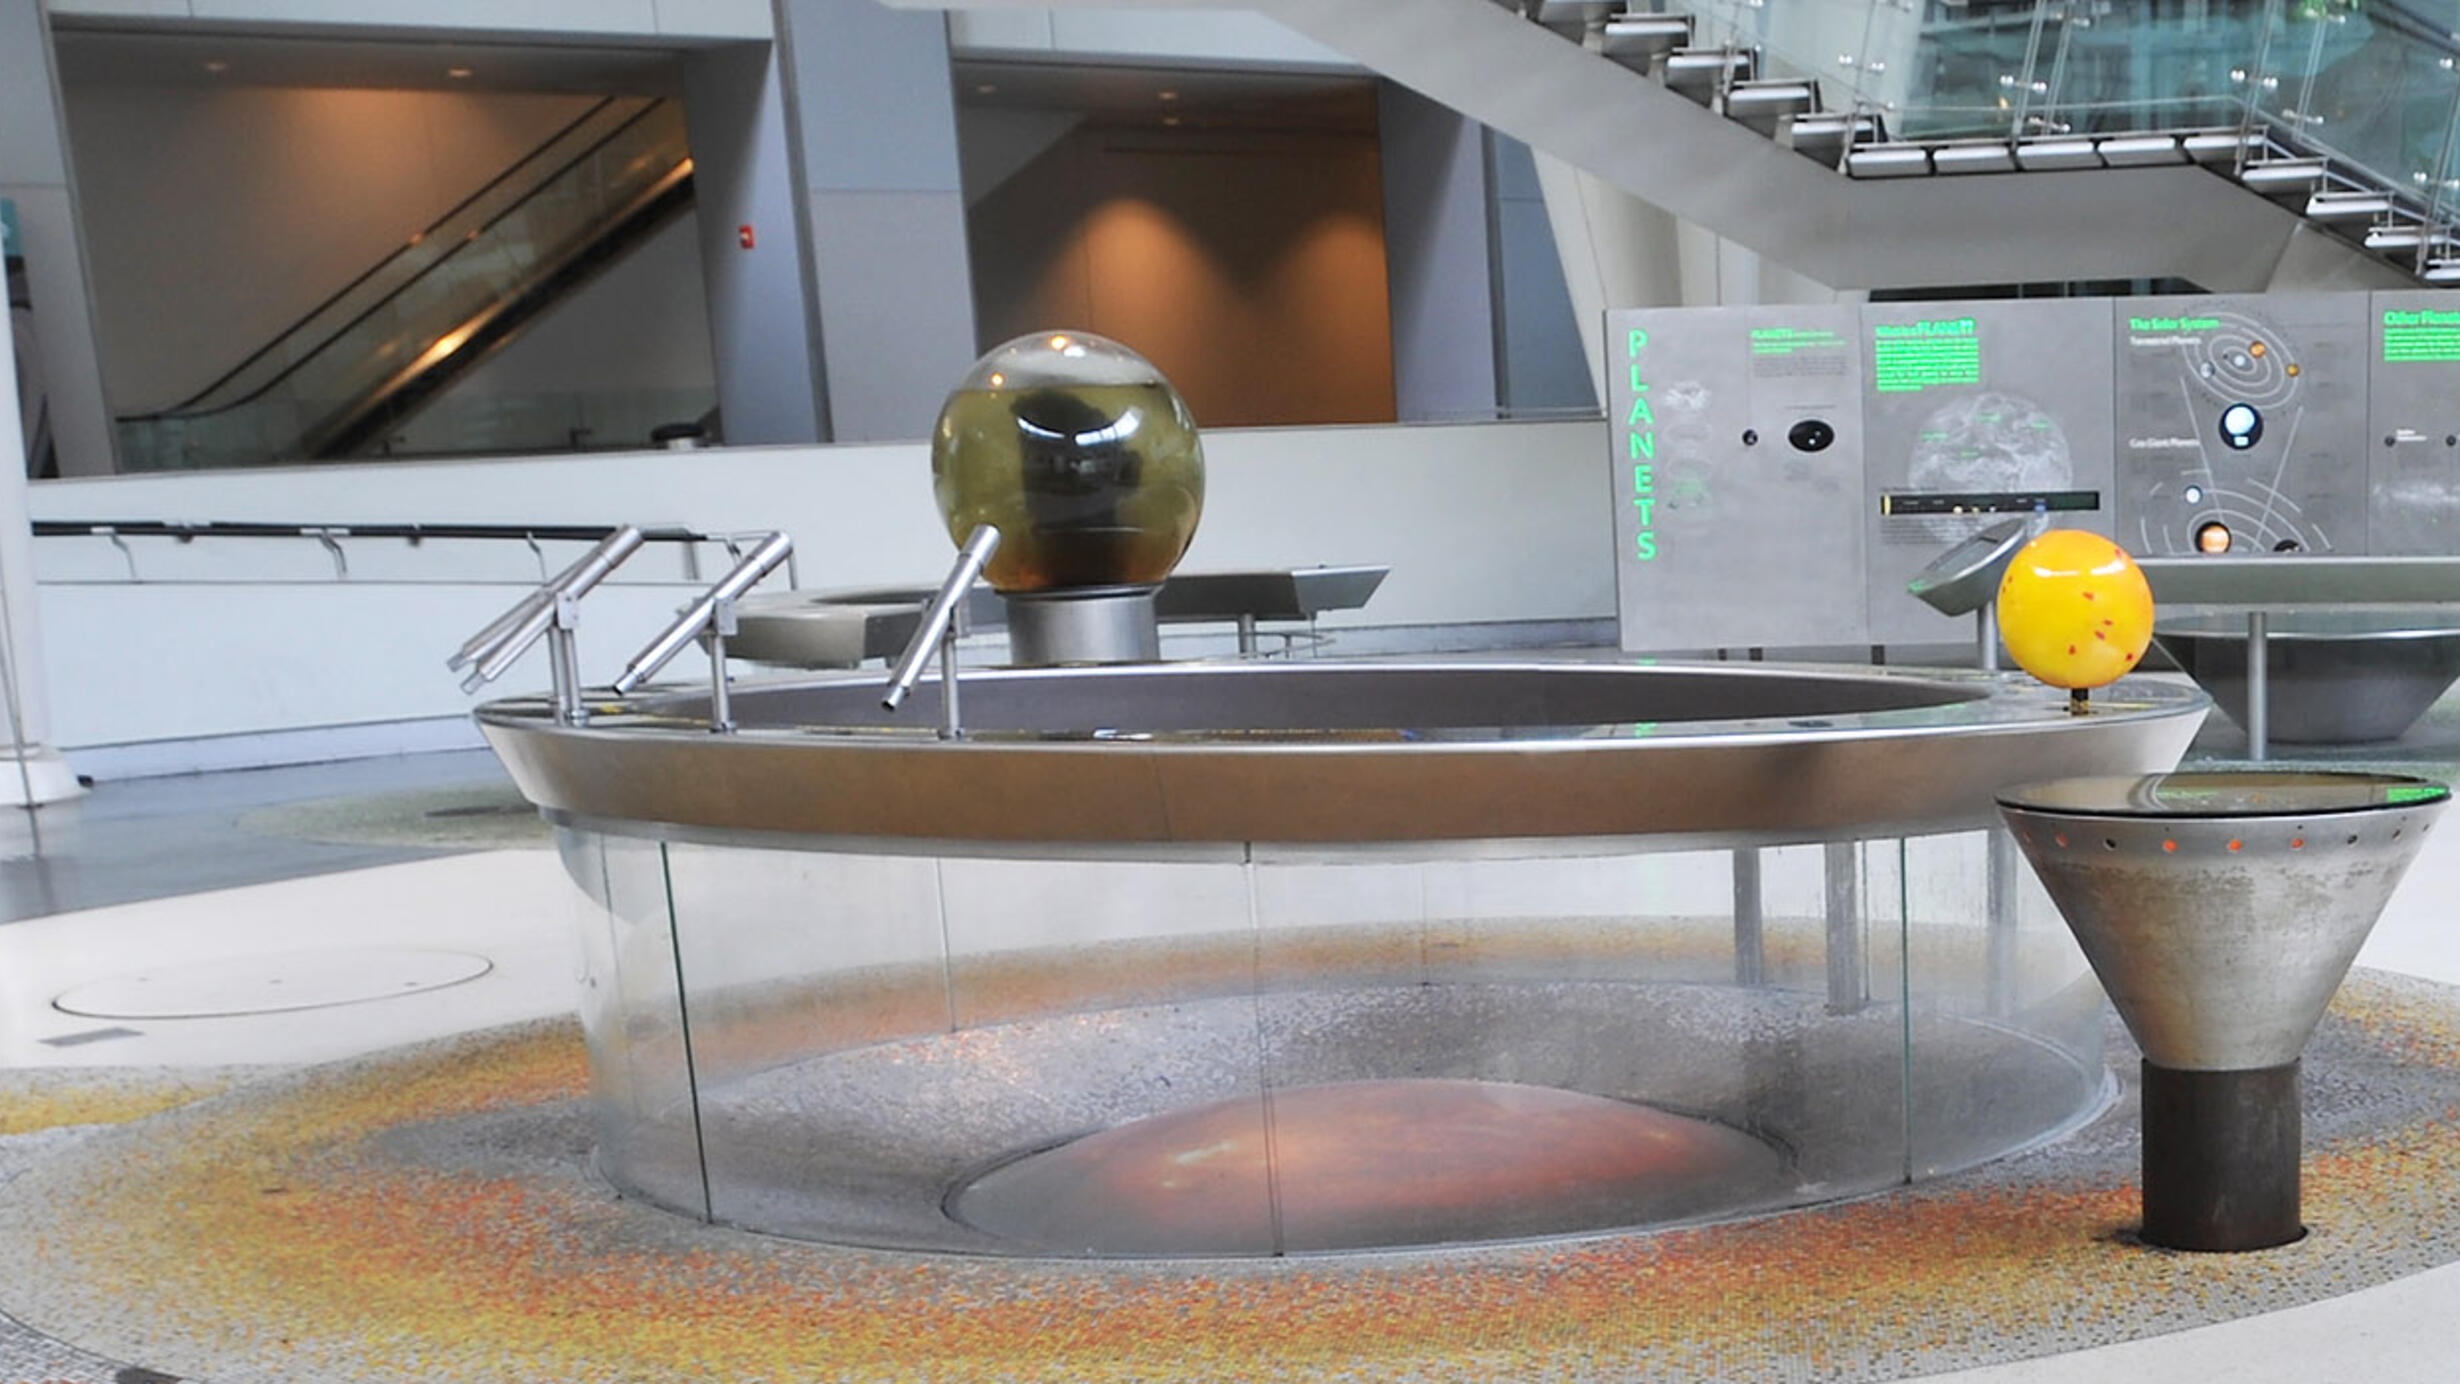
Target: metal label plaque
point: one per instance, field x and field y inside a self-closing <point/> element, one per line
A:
<point x="2242" y="423"/>
<point x="2413" y="424"/>
<point x="1973" y="411"/>
<point x="1735" y="461"/>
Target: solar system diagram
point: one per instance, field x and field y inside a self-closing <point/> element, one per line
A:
<point x="2241" y="424"/>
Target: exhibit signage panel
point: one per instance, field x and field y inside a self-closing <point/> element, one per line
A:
<point x="1737" y="443"/>
<point x="1779" y="473"/>
<point x="1977" y="410"/>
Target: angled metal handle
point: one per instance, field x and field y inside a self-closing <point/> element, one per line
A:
<point x="771" y="551"/>
<point x="508" y="636"/>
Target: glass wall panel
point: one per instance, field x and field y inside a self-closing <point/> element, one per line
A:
<point x="2004" y="1025"/>
<point x="791" y="959"/>
<point x="633" y="1017"/>
<point x="1258" y="1050"/>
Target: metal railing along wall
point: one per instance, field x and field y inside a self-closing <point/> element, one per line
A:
<point x="333" y="536"/>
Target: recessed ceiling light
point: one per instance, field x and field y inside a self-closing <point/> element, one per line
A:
<point x="986" y="88"/>
<point x="1167" y="95"/>
<point x="1170" y="120"/>
<point x="456" y="73"/>
<point x="216" y="65"/>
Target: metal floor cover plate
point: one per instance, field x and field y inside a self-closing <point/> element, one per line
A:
<point x="271" y="984"/>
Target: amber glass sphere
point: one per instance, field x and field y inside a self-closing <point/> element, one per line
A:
<point x="1080" y="453"/>
<point x="2074" y="609"/>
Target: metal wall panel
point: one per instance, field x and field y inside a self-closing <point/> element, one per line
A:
<point x="1735" y="444"/>
<point x="2413" y="424"/>
<point x="1988" y="408"/>
<point x="2298" y="361"/>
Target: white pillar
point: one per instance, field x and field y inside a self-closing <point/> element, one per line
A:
<point x="1622" y="252"/>
<point x="31" y="772"/>
<point x="1617" y="252"/>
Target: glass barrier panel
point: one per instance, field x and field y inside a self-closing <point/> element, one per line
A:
<point x="2144" y="69"/>
<point x="1256" y="1050"/>
<point x="2005" y="1022"/>
<point x="2381" y="99"/>
<point x="1111" y="1021"/>
<point x="791" y="960"/>
<point x="633" y="1018"/>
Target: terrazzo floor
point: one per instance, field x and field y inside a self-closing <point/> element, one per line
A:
<point x="195" y="1203"/>
<point x="425" y="1215"/>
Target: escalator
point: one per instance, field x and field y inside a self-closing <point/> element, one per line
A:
<point x="341" y="380"/>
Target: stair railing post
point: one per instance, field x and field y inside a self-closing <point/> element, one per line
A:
<point x="2256" y="74"/>
<point x="2024" y="79"/>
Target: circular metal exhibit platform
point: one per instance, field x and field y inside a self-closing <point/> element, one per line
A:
<point x="1319" y="957"/>
<point x="2335" y="677"/>
<point x="1338" y="752"/>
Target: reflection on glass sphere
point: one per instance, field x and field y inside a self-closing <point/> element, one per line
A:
<point x="1080" y="453"/>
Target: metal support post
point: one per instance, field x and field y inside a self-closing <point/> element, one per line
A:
<point x="1999" y="967"/>
<point x="1986" y="637"/>
<point x="952" y="723"/>
<point x="1750" y="948"/>
<point x="2221" y="1155"/>
<point x="721" y="624"/>
<point x="1847" y="990"/>
<point x="2258" y="686"/>
<point x="564" y="660"/>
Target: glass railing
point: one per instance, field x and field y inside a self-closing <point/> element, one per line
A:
<point x="465" y="423"/>
<point x="311" y="392"/>
<point x="2371" y="86"/>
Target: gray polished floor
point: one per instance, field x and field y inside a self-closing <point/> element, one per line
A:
<point x="141" y="839"/>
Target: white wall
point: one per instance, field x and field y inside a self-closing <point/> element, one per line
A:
<point x="1491" y="522"/>
<point x="681" y="20"/>
<point x="1131" y="35"/>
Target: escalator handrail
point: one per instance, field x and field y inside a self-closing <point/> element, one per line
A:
<point x="183" y="408"/>
<point x="481" y="333"/>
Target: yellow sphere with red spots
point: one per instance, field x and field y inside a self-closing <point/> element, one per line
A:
<point x="2075" y="610"/>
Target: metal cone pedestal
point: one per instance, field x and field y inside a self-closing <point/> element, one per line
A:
<point x="2221" y="912"/>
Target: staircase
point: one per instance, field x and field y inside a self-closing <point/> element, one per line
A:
<point x="2238" y="144"/>
<point x="2242" y="95"/>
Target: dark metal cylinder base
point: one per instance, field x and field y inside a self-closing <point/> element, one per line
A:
<point x="1084" y="625"/>
<point x="2221" y="1155"/>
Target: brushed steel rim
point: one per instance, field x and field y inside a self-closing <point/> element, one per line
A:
<point x="1843" y="775"/>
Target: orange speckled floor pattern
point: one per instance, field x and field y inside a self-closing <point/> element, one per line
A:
<point x="426" y="1216"/>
